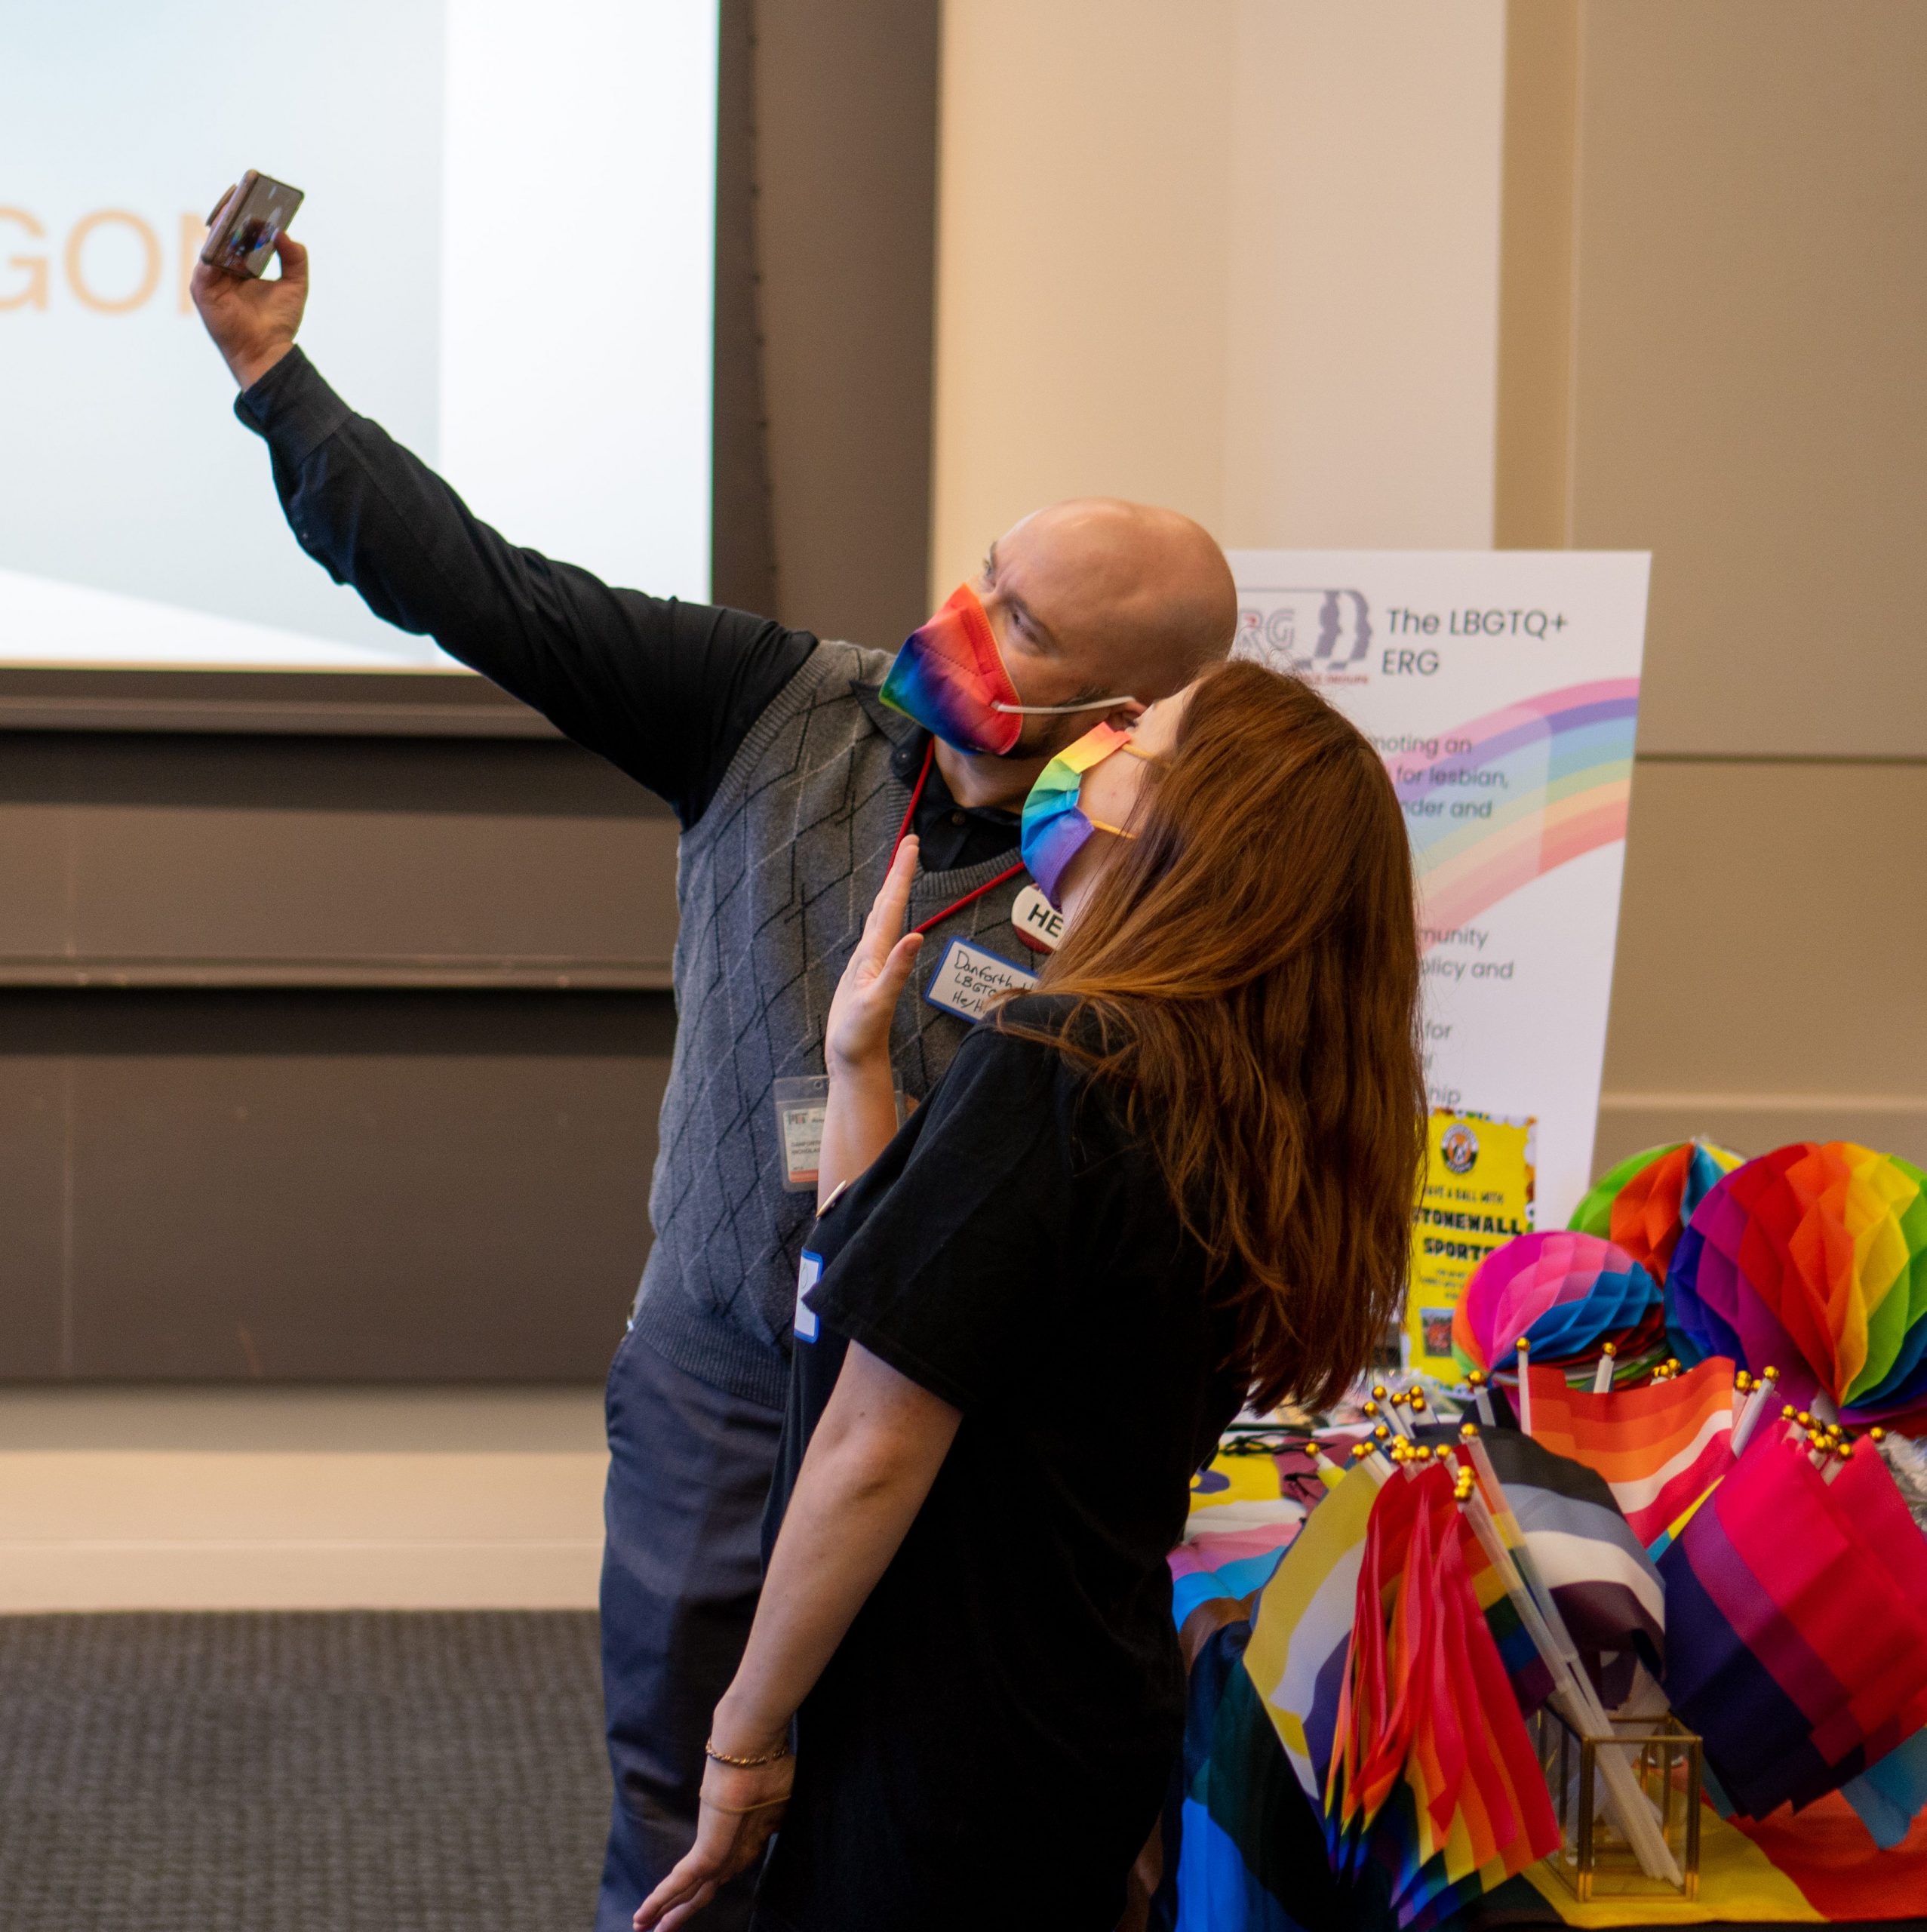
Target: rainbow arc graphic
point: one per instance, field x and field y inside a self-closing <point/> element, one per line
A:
<point x="1522" y="791"/>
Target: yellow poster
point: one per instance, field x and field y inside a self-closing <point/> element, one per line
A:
<point x="1478" y="1195"/>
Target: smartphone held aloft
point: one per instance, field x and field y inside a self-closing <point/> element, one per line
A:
<point x="242" y="237"/>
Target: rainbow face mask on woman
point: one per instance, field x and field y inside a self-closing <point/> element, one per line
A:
<point x="1055" y="826"/>
<point x="950" y="676"/>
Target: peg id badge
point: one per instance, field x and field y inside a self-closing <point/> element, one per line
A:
<point x="969" y="977"/>
<point x="800" y="1108"/>
<point x="801" y="1105"/>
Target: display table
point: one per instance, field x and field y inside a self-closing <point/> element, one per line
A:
<point x="1245" y="1849"/>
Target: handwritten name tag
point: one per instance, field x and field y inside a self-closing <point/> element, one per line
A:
<point x="969" y="977"/>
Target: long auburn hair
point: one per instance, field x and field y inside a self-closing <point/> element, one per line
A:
<point x="1251" y="960"/>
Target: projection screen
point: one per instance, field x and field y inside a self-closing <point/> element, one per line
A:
<point x="510" y="210"/>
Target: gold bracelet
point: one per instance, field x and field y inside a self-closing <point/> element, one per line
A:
<point x="745" y="1763"/>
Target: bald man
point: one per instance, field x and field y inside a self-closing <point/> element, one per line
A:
<point x="790" y="777"/>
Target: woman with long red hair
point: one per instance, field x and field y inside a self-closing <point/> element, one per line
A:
<point x="1177" y="1176"/>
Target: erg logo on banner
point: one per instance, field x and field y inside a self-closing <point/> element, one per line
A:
<point x="1328" y="636"/>
<point x="1323" y="636"/>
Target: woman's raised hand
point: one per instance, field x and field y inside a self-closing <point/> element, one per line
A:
<point x="857" y="1034"/>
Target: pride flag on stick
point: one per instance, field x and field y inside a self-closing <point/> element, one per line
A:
<point x="1797" y="1625"/>
<point x="1659" y="1448"/>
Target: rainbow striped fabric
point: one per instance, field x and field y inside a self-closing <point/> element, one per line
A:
<point x="1396" y="1674"/>
<point x="1245" y="1510"/>
<point x="1253" y="1855"/>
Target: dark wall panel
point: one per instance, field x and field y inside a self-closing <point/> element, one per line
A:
<point x="847" y="160"/>
<point x="742" y="564"/>
<point x="33" y="874"/>
<point x="33" y="1206"/>
<point x="231" y="860"/>
<point x="322" y="1186"/>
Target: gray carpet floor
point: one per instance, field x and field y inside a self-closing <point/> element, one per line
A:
<point x="358" y="1772"/>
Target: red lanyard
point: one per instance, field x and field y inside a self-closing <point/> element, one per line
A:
<point x="956" y="905"/>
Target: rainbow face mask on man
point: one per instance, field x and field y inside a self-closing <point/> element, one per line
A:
<point x="1056" y="827"/>
<point x="950" y="676"/>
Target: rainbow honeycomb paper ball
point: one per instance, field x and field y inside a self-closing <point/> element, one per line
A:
<point x="1568" y="1293"/>
<point x="1812" y="1258"/>
<point x="1644" y="1204"/>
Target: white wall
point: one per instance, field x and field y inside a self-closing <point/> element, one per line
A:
<point x="1238" y="255"/>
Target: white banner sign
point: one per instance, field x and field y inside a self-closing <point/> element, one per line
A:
<point x="1502" y="688"/>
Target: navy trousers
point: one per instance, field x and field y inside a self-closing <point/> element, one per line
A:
<point x="688" y="1472"/>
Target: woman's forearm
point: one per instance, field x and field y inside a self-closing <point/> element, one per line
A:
<point x="868" y="1468"/>
<point x="859" y="1119"/>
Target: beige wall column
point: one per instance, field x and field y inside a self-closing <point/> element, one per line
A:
<point x="1083" y="224"/>
<point x="1238" y="256"/>
<point x="1361" y="308"/>
<point x="1713" y="284"/>
<point x="1532" y="506"/>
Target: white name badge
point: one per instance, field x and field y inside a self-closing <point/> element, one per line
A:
<point x="801" y="1105"/>
<point x="969" y="977"/>
<point x="807" y="1275"/>
<point x="1040" y="925"/>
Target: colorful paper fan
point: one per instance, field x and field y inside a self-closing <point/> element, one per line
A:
<point x="1432" y="1776"/>
<point x="1567" y="1293"/>
<point x="1814" y="1259"/>
<point x="1644" y="1204"/>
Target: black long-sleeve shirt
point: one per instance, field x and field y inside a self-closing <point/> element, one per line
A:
<point x="666" y="691"/>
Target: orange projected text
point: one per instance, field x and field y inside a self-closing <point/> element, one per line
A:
<point x="111" y="261"/>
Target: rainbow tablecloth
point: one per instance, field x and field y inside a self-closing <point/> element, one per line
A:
<point x="1245" y="1510"/>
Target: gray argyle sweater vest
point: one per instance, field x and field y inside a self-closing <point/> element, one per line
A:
<point x="773" y="885"/>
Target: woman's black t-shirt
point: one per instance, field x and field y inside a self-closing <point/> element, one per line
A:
<point x="990" y="1742"/>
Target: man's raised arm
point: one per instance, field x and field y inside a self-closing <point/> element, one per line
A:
<point x="665" y="690"/>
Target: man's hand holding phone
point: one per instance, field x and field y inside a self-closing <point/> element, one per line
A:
<point x="253" y="322"/>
